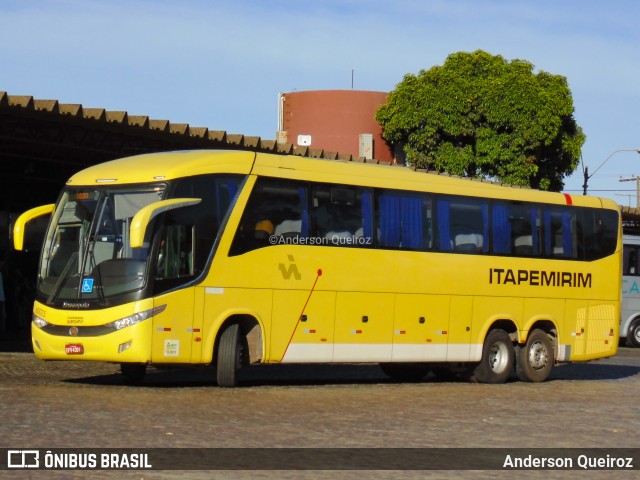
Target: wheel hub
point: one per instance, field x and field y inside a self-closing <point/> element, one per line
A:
<point x="498" y="357"/>
<point x="538" y="356"/>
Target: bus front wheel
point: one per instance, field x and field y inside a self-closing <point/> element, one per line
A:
<point x="633" y="336"/>
<point x="231" y="352"/>
<point x="534" y="359"/>
<point x="497" y="358"/>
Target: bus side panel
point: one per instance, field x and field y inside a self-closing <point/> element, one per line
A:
<point x="363" y="327"/>
<point x="420" y="329"/>
<point x="173" y="328"/>
<point x="574" y="334"/>
<point x="602" y="335"/>
<point x="459" y="347"/>
<point x="310" y="331"/>
<point x="595" y="331"/>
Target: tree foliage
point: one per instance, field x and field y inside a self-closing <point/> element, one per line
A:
<point x="479" y="115"/>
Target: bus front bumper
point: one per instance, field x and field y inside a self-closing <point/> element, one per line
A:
<point x="132" y="344"/>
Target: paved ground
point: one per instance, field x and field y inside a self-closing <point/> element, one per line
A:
<point x="87" y="405"/>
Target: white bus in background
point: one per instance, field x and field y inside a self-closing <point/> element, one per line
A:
<point x="630" y="311"/>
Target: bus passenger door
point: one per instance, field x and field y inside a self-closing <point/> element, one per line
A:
<point x="363" y="326"/>
<point x="173" y="329"/>
<point x="420" y="328"/>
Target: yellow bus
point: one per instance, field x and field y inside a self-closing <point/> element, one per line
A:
<point x="233" y="258"/>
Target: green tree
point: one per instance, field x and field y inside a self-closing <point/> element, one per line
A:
<point x="479" y="115"/>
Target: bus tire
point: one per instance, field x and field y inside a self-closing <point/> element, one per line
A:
<point x="231" y="351"/>
<point x="633" y="335"/>
<point x="535" y="359"/>
<point x="133" y="372"/>
<point x="497" y="358"/>
<point x="409" y="372"/>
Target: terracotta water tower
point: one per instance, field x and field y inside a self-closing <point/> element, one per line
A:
<point x="340" y="121"/>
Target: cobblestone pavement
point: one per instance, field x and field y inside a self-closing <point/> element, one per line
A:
<point x="88" y="405"/>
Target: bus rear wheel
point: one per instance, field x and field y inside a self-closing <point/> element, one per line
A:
<point x="633" y="336"/>
<point x="232" y="351"/>
<point x="497" y="358"/>
<point x="534" y="359"/>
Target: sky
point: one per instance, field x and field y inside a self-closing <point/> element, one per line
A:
<point x="221" y="64"/>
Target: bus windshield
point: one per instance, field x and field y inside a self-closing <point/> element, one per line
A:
<point x="86" y="254"/>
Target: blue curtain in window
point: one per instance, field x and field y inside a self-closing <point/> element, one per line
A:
<point x="484" y="207"/>
<point x="412" y="224"/>
<point x="225" y="194"/>
<point x="390" y="221"/>
<point x="232" y="188"/>
<point x="367" y="214"/>
<point x="444" y="228"/>
<point x="546" y="221"/>
<point x="501" y="229"/>
<point x="304" y="227"/>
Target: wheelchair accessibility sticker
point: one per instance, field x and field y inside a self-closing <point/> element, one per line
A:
<point x="87" y="285"/>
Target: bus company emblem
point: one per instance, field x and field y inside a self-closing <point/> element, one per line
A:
<point x="76" y="305"/>
<point x="539" y="278"/>
<point x="292" y="269"/>
<point x="73" y="331"/>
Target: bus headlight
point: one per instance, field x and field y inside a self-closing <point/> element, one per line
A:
<point x="135" y="318"/>
<point x="39" y="322"/>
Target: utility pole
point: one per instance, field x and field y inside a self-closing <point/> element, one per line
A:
<point x="637" y="180"/>
<point x="586" y="169"/>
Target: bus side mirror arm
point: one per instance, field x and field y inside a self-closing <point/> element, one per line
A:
<point x="26" y="217"/>
<point x="143" y="217"/>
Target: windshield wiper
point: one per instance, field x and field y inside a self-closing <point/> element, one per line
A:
<point x="96" y="269"/>
<point x="62" y="278"/>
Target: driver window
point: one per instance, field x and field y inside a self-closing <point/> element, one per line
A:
<point x="175" y="257"/>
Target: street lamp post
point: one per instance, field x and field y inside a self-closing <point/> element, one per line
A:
<point x="586" y="169"/>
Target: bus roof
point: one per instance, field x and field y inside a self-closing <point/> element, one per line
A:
<point x="154" y="167"/>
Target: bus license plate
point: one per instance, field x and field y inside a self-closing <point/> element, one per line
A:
<point x="74" y="349"/>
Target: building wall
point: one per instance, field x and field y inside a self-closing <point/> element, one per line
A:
<point x="334" y="120"/>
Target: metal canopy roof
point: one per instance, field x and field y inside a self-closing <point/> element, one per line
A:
<point x="44" y="142"/>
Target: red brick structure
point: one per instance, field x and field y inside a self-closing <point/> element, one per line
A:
<point x="334" y="120"/>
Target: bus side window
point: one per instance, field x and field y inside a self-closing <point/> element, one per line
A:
<point x="560" y="226"/>
<point x="598" y="233"/>
<point x="463" y="225"/>
<point x="403" y="220"/>
<point x="630" y="260"/>
<point x="276" y="209"/>
<point x="175" y="258"/>
<point x="340" y="212"/>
